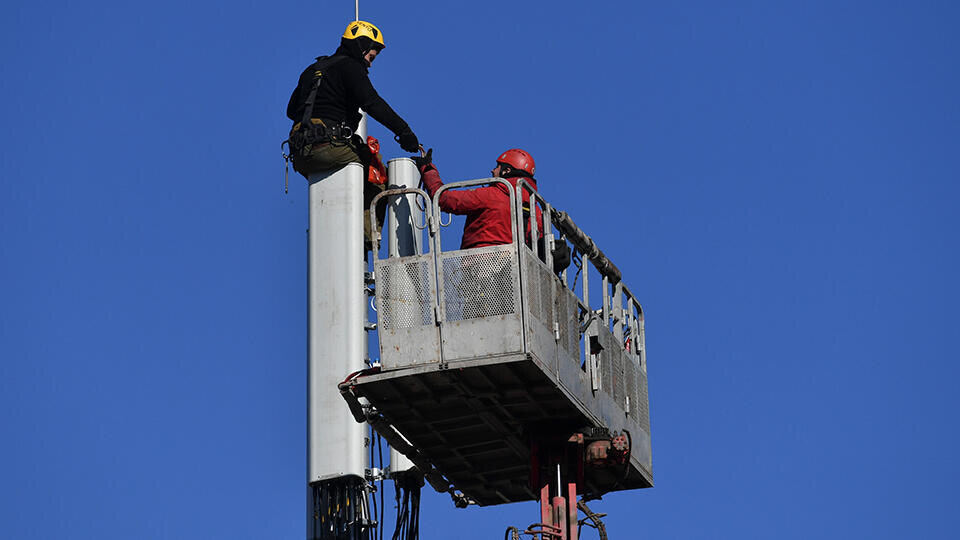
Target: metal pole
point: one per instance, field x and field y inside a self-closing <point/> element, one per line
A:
<point x="362" y="127"/>
<point x="335" y="441"/>
<point x="404" y="240"/>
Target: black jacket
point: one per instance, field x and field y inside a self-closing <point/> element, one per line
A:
<point x="346" y="88"/>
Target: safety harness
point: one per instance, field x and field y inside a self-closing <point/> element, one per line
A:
<point x="309" y="131"/>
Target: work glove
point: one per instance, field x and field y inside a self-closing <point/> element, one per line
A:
<point x="408" y="141"/>
<point x="424" y="162"/>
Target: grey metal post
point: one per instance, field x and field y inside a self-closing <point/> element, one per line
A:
<point x="404" y="240"/>
<point x="336" y="318"/>
<point x="362" y="127"/>
<point x="592" y="360"/>
<point x="606" y="301"/>
<point x="617" y="312"/>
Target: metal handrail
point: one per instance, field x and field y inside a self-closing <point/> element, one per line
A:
<point x="477" y="182"/>
<point x="535" y="197"/>
<point x="393" y="193"/>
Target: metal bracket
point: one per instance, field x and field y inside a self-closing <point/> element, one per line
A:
<point x="594" y="372"/>
<point x="374" y="474"/>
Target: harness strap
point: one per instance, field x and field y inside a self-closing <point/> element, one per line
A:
<point x="323" y="62"/>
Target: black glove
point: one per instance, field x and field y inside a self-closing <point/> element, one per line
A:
<point x="361" y="148"/>
<point x="424" y="163"/>
<point x="408" y="141"/>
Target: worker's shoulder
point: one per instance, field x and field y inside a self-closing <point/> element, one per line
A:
<point x="345" y="64"/>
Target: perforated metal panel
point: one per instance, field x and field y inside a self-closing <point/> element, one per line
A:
<point x="405" y="300"/>
<point x="630" y="378"/>
<point x="478" y="285"/>
<point x="608" y="380"/>
<point x="643" y="401"/>
<point x="560" y="308"/>
<point x="532" y="287"/>
<point x="480" y="299"/>
<point x="404" y="293"/>
<point x="567" y="317"/>
<point x="538" y="291"/>
<point x="618" y="379"/>
<point x="546" y="294"/>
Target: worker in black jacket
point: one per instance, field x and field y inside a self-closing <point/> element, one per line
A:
<point x="334" y="88"/>
<point x="325" y="108"/>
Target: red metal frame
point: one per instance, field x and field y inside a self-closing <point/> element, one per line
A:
<point x="558" y="503"/>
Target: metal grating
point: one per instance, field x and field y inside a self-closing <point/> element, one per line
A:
<point x="573" y="323"/>
<point x="562" y="311"/>
<point x="609" y="380"/>
<point x="532" y="285"/>
<point x="618" y="387"/>
<point x="606" y="371"/>
<point x="546" y="296"/>
<point x="403" y="295"/>
<point x="630" y="377"/>
<point x="643" y="401"/>
<point x="478" y="285"/>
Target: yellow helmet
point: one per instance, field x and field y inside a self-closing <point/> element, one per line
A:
<point x="363" y="29"/>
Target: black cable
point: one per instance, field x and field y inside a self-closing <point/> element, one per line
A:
<point x="578" y="262"/>
<point x="380" y="524"/>
<point x="415" y="504"/>
<point x="397" y="497"/>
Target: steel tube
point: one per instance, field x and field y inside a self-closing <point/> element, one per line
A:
<point x="336" y="315"/>
<point x="585" y="244"/>
<point x="404" y="239"/>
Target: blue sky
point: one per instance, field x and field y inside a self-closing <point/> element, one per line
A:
<point x="777" y="181"/>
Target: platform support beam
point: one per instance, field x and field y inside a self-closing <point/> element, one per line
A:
<point x="556" y="470"/>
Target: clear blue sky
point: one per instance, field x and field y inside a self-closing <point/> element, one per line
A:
<point x="777" y="180"/>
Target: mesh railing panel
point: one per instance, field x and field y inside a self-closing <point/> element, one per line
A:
<point x="478" y="285"/>
<point x="567" y="312"/>
<point x="532" y="277"/>
<point x="573" y="327"/>
<point x="560" y="307"/>
<point x="618" y="386"/>
<point x="606" y="364"/>
<point x="546" y="302"/>
<point x="630" y="378"/>
<point x="403" y="294"/>
<point x="643" y="401"/>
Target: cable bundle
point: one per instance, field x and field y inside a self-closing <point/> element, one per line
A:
<point x="408" y="506"/>
<point x="340" y="510"/>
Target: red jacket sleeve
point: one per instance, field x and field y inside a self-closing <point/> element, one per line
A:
<point x="456" y="202"/>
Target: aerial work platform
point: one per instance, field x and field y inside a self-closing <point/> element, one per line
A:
<point x="487" y="356"/>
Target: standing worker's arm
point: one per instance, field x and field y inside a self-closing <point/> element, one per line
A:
<point x="456" y="202"/>
<point x="358" y="84"/>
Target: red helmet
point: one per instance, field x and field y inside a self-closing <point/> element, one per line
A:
<point x="519" y="160"/>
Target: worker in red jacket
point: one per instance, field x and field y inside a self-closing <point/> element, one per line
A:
<point x="487" y="208"/>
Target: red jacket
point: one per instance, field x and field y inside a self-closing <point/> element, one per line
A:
<point x="487" y="210"/>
